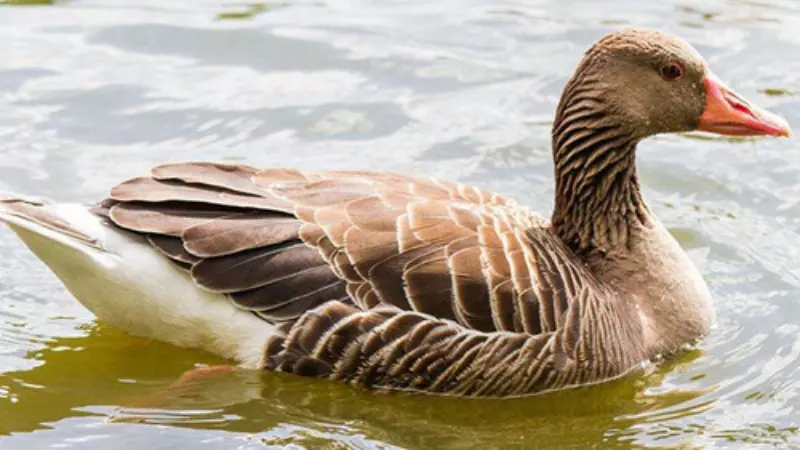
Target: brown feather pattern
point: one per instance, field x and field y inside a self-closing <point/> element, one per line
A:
<point x="384" y="280"/>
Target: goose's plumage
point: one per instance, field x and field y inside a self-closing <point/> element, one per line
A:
<point x="408" y="282"/>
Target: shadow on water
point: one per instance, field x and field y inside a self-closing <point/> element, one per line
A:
<point x="131" y="380"/>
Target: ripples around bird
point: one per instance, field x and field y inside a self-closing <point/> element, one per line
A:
<point x="93" y="92"/>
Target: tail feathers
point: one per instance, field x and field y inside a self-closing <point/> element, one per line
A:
<point x="37" y="215"/>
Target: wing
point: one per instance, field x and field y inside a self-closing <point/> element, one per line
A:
<point x="391" y="348"/>
<point x="373" y="250"/>
<point x="280" y="242"/>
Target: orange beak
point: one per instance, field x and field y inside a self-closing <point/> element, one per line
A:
<point x="729" y="114"/>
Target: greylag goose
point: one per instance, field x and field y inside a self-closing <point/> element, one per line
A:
<point x="408" y="282"/>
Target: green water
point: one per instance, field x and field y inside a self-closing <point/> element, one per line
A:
<point x="92" y="92"/>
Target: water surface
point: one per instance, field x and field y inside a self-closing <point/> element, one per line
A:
<point x="92" y="92"/>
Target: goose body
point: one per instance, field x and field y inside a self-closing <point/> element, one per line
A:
<point x="407" y="282"/>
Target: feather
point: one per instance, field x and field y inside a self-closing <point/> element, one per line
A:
<point x="240" y="232"/>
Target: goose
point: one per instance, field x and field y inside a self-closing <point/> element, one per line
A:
<point x="407" y="282"/>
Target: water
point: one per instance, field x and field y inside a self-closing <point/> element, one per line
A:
<point x="92" y="92"/>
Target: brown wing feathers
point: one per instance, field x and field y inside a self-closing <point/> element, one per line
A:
<point x="213" y="221"/>
<point x="391" y="348"/>
<point x="379" y="278"/>
<point x="268" y="236"/>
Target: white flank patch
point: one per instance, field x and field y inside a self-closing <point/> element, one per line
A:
<point x="130" y="285"/>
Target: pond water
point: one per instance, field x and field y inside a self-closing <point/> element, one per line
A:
<point x="95" y="91"/>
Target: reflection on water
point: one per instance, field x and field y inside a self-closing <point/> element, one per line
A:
<point x="251" y="10"/>
<point x="92" y="92"/>
<point x="27" y="2"/>
<point x="118" y="379"/>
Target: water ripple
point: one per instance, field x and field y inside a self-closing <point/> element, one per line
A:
<point x="92" y="92"/>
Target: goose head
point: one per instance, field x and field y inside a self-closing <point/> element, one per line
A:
<point x="652" y="82"/>
<point x="632" y="84"/>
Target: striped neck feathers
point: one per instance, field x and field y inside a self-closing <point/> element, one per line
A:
<point x="598" y="201"/>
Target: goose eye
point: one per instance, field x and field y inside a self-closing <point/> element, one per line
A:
<point x="671" y="71"/>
